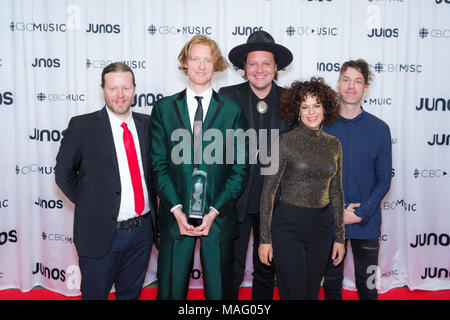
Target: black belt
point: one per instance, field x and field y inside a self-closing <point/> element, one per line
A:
<point x="133" y="222"/>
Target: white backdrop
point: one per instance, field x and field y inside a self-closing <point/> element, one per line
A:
<point x="52" y="54"/>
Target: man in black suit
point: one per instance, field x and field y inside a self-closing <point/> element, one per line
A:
<point x="103" y="167"/>
<point x="260" y="58"/>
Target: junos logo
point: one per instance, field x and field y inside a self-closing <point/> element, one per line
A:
<point x="244" y="30"/>
<point x="46" y="135"/>
<point x="6" y="98"/>
<point x="103" y="28"/>
<point x="54" y="273"/>
<point x="46" y="63"/>
<point x="49" y="204"/>
<point x="435" y="273"/>
<point x="146" y="99"/>
<point x="328" y="66"/>
<point x="433" y="104"/>
<point x="8" y="236"/>
<point x="440" y="140"/>
<point x="383" y="33"/>
<point x="431" y="239"/>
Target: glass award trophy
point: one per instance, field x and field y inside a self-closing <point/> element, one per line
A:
<point x="197" y="202"/>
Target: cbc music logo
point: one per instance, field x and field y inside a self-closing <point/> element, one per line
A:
<point x="378" y="101"/>
<point x="59" y="237"/>
<point x="4" y="203"/>
<point x="60" y="97"/>
<point x="101" y="63"/>
<point x="245" y="30"/>
<point x="431" y="239"/>
<point x="380" y="67"/>
<point x="429" y="173"/>
<point x="174" y="30"/>
<point x="434" y="33"/>
<point x="319" y="31"/>
<point x="433" y="104"/>
<point x="407" y="207"/>
<point x="49" y="204"/>
<point x="46" y="63"/>
<point x="34" y="168"/>
<point x="6" y="98"/>
<point x="439" y="140"/>
<point x="40" y="27"/>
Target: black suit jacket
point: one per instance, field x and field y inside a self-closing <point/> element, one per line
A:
<point x="241" y="94"/>
<point x="87" y="172"/>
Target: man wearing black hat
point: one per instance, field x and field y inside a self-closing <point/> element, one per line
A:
<point x="260" y="58"/>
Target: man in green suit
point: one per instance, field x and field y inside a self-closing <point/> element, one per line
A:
<point x="197" y="119"/>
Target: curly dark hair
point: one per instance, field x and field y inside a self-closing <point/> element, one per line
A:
<point x="293" y="96"/>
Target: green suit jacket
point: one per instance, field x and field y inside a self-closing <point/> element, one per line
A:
<point x="225" y="179"/>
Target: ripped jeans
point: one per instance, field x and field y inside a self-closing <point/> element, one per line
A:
<point x="365" y="257"/>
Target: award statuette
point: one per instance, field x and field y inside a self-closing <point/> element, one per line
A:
<point x="198" y="198"/>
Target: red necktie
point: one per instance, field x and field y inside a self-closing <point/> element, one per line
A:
<point x="135" y="173"/>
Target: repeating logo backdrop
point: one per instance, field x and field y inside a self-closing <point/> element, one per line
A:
<point x="51" y="58"/>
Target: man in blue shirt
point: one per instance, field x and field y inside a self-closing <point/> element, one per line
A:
<point x="366" y="178"/>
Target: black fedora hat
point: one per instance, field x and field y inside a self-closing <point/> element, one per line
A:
<point x="260" y="41"/>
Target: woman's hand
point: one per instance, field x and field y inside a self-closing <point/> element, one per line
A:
<point x="265" y="253"/>
<point x="338" y="253"/>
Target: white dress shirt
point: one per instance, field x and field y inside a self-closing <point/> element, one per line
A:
<point x="127" y="209"/>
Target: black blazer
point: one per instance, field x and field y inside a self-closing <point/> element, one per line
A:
<point x="87" y="172"/>
<point x="241" y="94"/>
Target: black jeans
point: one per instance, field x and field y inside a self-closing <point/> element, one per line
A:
<point x="365" y="257"/>
<point x="263" y="276"/>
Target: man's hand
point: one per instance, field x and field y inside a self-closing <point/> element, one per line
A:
<point x="349" y="214"/>
<point x="265" y="253"/>
<point x="185" y="228"/>
<point x="208" y="219"/>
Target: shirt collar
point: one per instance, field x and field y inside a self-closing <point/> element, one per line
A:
<point x="116" y="122"/>
<point x="205" y="94"/>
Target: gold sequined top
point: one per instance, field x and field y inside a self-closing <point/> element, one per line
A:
<point x="310" y="175"/>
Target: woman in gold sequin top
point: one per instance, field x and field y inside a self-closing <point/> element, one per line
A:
<point x="297" y="231"/>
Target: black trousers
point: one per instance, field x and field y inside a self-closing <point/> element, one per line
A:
<point x="125" y="265"/>
<point x="301" y="240"/>
<point x="263" y="276"/>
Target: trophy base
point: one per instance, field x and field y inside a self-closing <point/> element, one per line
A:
<point x="195" y="221"/>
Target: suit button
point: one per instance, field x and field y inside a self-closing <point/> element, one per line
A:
<point x="118" y="193"/>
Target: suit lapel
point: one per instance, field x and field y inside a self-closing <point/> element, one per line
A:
<point x="181" y="109"/>
<point x="215" y="105"/>
<point x="143" y="140"/>
<point x="105" y="128"/>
